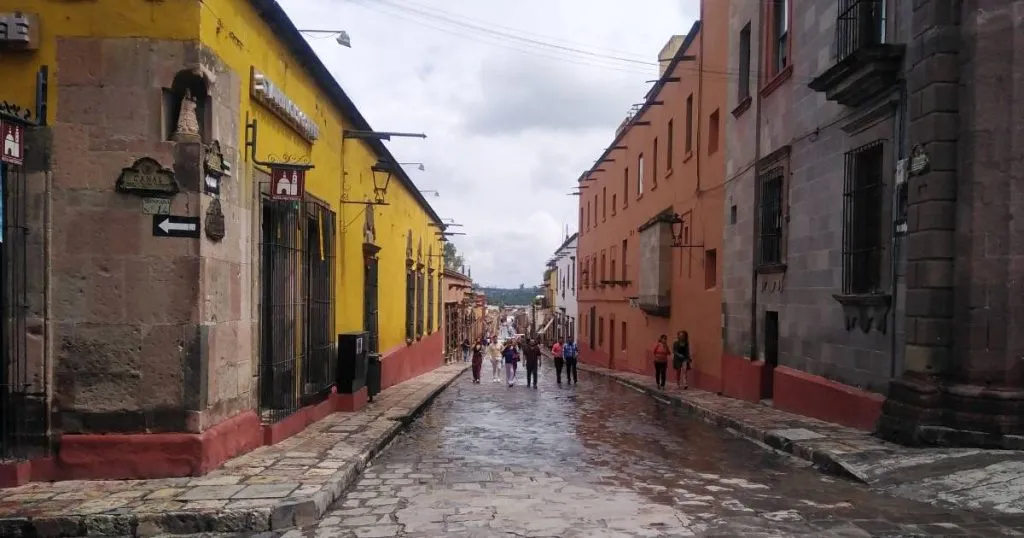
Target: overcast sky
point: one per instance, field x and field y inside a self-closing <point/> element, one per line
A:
<point x="516" y="99"/>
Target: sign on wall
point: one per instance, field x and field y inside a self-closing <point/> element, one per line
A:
<point x="287" y="184"/>
<point x="12" y="136"/>
<point x="273" y="97"/>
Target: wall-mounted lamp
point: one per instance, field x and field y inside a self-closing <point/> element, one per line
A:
<point x="342" y="38"/>
<point x="419" y="166"/>
<point x="677" y="223"/>
<point x="375" y="135"/>
<point x="436" y="194"/>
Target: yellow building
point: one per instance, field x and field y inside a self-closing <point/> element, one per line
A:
<point x="206" y="212"/>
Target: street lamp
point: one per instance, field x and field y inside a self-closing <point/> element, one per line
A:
<point x="419" y="166"/>
<point x="343" y="38"/>
<point x="436" y="194"/>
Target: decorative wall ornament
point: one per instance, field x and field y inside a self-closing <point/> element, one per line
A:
<point x="214" y="167"/>
<point x="865" y="311"/>
<point x="369" y="229"/>
<point x="419" y="252"/>
<point x="188" y="120"/>
<point x="215" y="221"/>
<point x="147" y="177"/>
<point x="408" y="245"/>
<point x="15" y="110"/>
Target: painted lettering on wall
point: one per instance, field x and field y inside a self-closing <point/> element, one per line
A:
<point x="271" y="96"/>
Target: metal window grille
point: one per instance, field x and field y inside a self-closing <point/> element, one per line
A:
<point x="420" y="292"/>
<point x="23" y="407"/>
<point x="771" y="184"/>
<point x="318" y="372"/>
<point x="863" y="192"/>
<point x="371" y="306"/>
<point x="410" y="304"/>
<point x="282" y="309"/>
<point x="440" y="297"/>
<point x="430" y="304"/>
<point x="861" y="24"/>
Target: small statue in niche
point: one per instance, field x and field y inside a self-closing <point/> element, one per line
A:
<point x="188" y="120"/>
<point x="215" y="228"/>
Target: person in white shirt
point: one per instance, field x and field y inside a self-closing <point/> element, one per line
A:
<point x="494" y="353"/>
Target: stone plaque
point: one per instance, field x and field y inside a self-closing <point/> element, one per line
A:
<point x="156" y="206"/>
<point x="215" y="221"/>
<point x="146" y="177"/>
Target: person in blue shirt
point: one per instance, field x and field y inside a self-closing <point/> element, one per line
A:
<point x="571" y="355"/>
<point x="511" y="356"/>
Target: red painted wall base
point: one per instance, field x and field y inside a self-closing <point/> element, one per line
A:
<point x="814" y="396"/>
<point x="408" y="361"/>
<point x="165" y="455"/>
<point x="745" y="379"/>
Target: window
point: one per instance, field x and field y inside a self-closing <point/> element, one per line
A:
<point x="420" y="292"/>
<point x="593" y="271"/>
<point x="654" y="164"/>
<point x="861" y="24"/>
<point x="743" y="86"/>
<point x="615" y="204"/>
<point x="640" y="175"/>
<point x="713" y="133"/>
<point x="624" y="335"/>
<point x="604" y="203"/>
<point x="588" y="214"/>
<point x="584" y="274"/>
<point x="595" y="210"/>
<point x="689" y="124"/>
<point x="669" y="141"/>
<point x="625" y="244"/>
<point x="430" y="304"/>
<point x="572" y="271"/>
<point x="771" y="185"/>
<point x="600" y="330"/>
<point x="710" y="269"/>
<point x="625" y="188"/>
<point x="863" y="198"/>
<point x="613" y="274"/>
<point x="778" y="37"/>
<point x="410" y="303"/>
<point x="604" y="267"/>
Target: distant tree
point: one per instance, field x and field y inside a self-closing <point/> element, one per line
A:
<point x="452" y="259"/>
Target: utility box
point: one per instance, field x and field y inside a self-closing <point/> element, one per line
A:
<point x="352" y="350"/>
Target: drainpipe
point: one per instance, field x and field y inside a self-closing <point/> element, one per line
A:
<point x="757" y="173"/>
<point x="700" y="98"/>
<point x="48" y="298"/>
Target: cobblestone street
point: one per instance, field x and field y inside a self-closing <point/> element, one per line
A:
<point x="600" y="460"/>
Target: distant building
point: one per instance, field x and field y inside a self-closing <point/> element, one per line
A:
<point x="564" y="304"/>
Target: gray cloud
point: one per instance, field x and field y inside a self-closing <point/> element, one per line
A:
<point x="508" y="131"/>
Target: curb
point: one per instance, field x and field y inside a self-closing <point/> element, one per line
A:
<point x="287" y="513"/>
<point x="823" y="460"/>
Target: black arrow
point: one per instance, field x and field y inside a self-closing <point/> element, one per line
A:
<point x="172" y="226"/>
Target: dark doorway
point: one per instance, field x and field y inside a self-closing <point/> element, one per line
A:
<point x="593" y="326"/>
<point x="771" y="353"/>
<point x="611" y="343"/>
<point x="370" y="303"/>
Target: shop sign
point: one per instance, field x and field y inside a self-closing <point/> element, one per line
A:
<point x="271" y="96"/>
<point x="287" y="183"/>
<point x="156" y="206"/>
<point x="19" y="31"/>
<point x="146" y="177"/>
<point x="12" y="136"/>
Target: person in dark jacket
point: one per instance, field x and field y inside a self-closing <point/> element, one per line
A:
<point x="531" y="351"/>
<point x="511" y="358"/>
<point x="681" y="358"/>
<point x="478" y="361"/>
<point x="466" y="348"/>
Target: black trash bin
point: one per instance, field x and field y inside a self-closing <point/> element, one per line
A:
<point x="351" y="371"/>
<point x="372" y="375"/>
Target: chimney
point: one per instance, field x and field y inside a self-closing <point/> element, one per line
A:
<point x="668" y="52"/>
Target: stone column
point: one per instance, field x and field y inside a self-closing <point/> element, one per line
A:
<point x="964" y="361"/>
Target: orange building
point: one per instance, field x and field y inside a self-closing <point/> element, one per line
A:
<point x="652" y="211"/>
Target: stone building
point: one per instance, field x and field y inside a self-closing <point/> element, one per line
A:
<point x="565" y="308"/>
<point x="868" y="246"/>
<point x="814" y="258"/>
<point x="201" y="212"/>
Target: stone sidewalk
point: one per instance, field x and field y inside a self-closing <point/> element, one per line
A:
<point x="274" y="487"/>
<point x="990" y="481"/>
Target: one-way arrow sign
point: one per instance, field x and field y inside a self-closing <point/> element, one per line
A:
<point x="172" y="226"/>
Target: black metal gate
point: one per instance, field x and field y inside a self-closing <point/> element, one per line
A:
<point x="318" y="372"/>
<point x="370" y="305"/>
<point x="23" y="411"/>
<point x="282" y="309"/>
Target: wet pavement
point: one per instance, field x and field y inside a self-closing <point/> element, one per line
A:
<point x="600" y="459"/>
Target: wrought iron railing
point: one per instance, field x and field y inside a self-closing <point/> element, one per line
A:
<point x="861" y="24"/>
<point x="318" y="373"/>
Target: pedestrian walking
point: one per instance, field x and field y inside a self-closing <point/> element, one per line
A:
<point x="571" y="354"/>
<point x="478" y="361"/>
<point x="465" y="350"/>
<point x="660" y="353"/>
<point x="531" y="351"/>
<point x="494" y="353"/>
<point x="511" y="357"/>
<point x="681" y="359"/>
<point x="556" y="355"/>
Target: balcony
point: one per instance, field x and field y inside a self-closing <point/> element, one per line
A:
<point x="656" y="305"/>
<point x="866" y="65"/>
